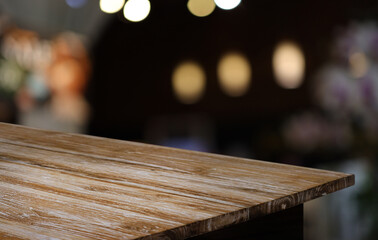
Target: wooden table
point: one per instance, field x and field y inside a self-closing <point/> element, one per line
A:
<point x="68" y="186"/>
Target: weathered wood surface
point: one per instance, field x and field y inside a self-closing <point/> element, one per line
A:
<point x="65" y="186"/>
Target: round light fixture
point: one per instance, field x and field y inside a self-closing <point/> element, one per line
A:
<point x="358" y="64"/>
<point x="188" y="82"/>
<point x="288" y="65"/>
<point x="136" y="10"/>
<point x="234" y="73"/>
<point x="227" y="4"/>
<point x="201" y="8"/>
<point x="111" y="6"/>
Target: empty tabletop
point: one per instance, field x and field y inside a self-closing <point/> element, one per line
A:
<point x="68" y="186"/>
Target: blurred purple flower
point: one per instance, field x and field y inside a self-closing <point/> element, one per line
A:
<point x="346" y="88"/>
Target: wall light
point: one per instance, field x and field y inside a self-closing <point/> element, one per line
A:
<point x="227" y="4"/>
<point x="111" y="6"/>
<point x="288" y="65"/>
<point x="358" y="64"/>
<point x="188" y="82"/>
<point x="136" y="10"/>
<point x="234" y="73"/>
<point x="201" y="8"/>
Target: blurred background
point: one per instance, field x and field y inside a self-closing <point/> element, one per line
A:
<point x="294" y="82"/>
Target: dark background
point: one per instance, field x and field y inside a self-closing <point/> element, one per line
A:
<point x="133" y="64"/>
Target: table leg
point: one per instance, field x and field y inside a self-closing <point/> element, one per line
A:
<point x="286" y="224"/>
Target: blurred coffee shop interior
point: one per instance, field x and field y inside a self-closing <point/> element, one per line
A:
<point x="293" y="82"/>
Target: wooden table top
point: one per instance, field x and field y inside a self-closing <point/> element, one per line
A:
<point x="69" y="186"/>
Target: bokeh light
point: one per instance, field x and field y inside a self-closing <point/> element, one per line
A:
<point x="136" y="10"/>
<point x="201" y="8"/>
<point x="227" y="4"/>
<point x="188" y="82"/>
<point x="76" y="3"/>
<point x="111" y="6"/>
<point x="66" y="75"/>
<point x="234" y="73"/>
<point x="359" y="64"/>
<point x="288" y="65"/>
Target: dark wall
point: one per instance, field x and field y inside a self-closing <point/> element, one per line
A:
<point x="133" y="62"/>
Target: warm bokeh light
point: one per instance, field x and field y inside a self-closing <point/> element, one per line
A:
<point x="234" y="73"/>
<point x="288" y="65"/>
<point x="188" y="82"/>
<point x="70" y="107"/>
<point x="201" y="8"/>
<point x="136" y="10"/>
<point x="359" y="64"/>
<point x="111" y="6"/>
<point x="227" y="4"/>
<point x="66" y="75"/>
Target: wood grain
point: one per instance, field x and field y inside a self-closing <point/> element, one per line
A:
<point x="67" y="186"/>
